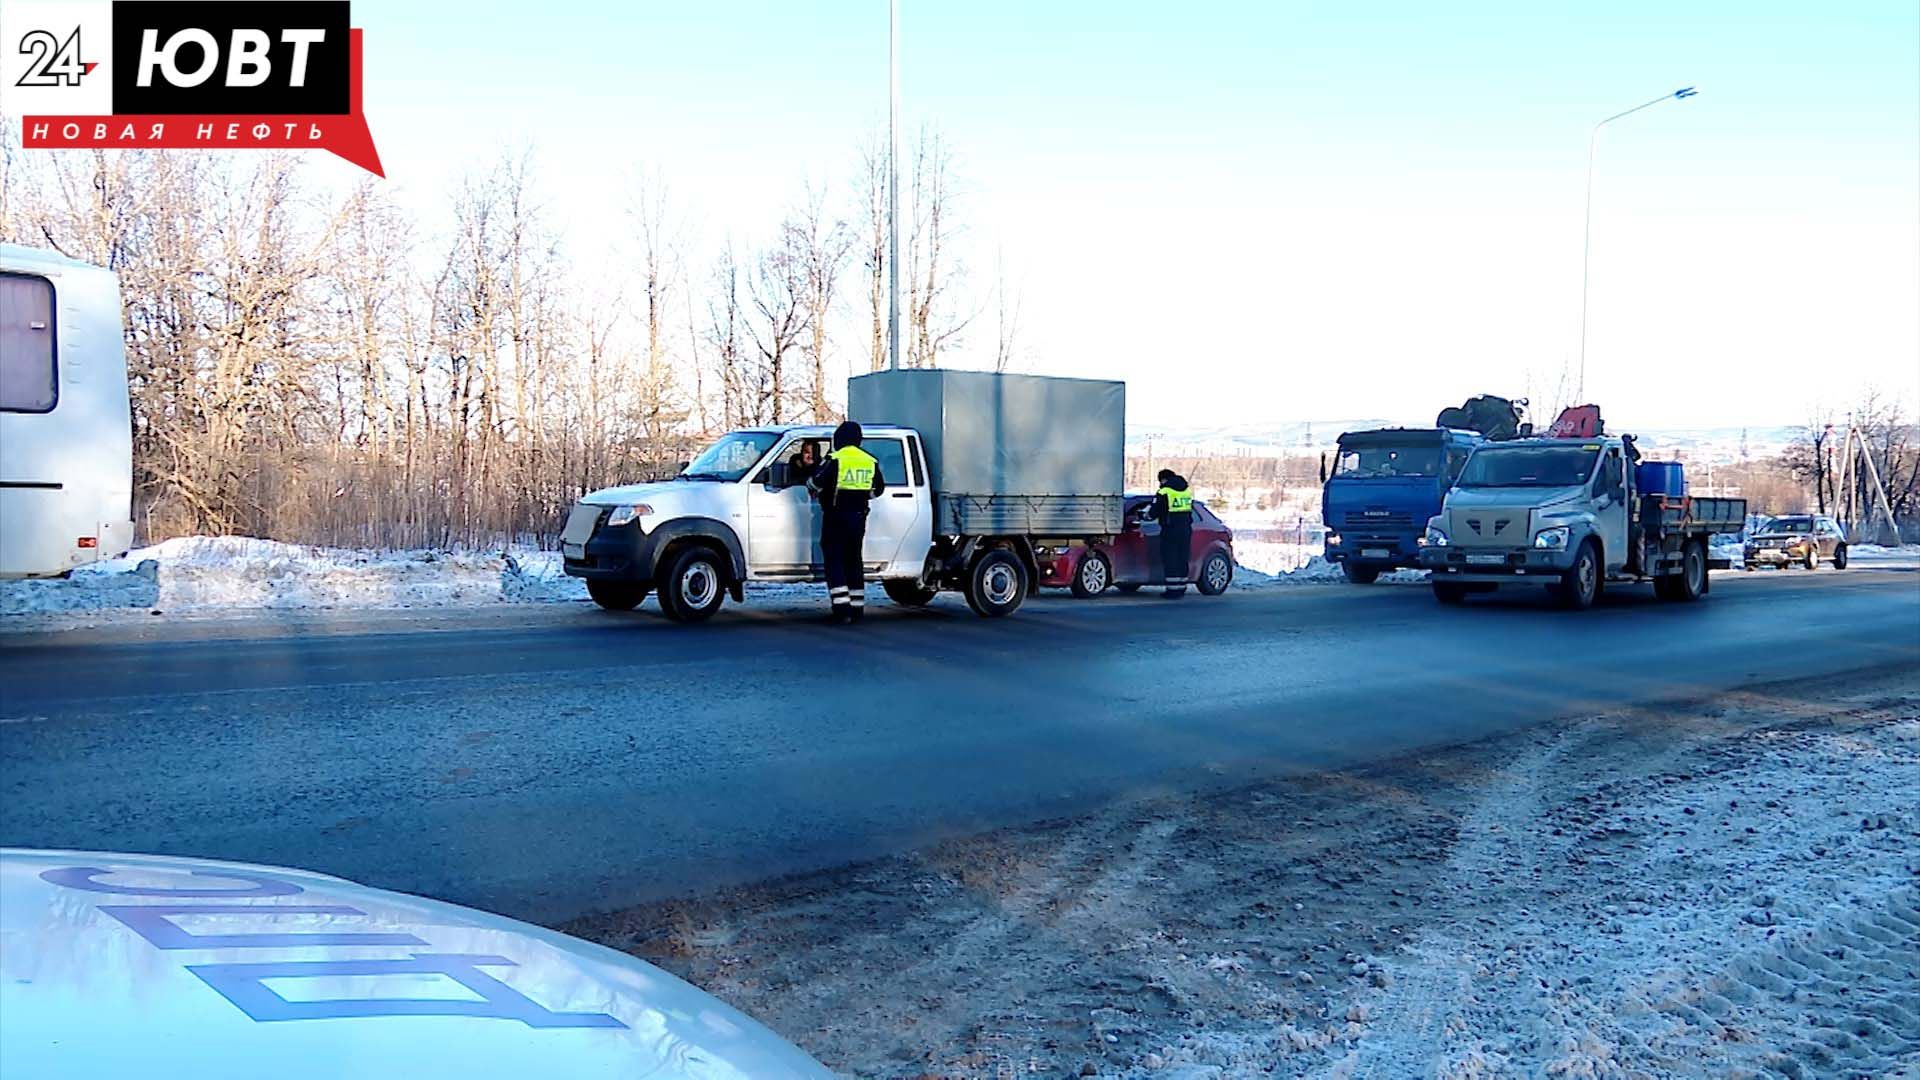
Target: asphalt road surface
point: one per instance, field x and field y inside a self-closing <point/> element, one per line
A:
<point x="552" y="761"/>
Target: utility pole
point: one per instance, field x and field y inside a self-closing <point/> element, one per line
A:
<point x="893" y="185"/>
<point x="1586" y="249"/>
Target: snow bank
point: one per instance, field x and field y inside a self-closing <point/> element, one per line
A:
<point x="1265" y="564"/>
<point x="212" y="572"/>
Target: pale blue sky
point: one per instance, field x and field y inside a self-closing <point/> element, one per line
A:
<point x="1271" y="210"/>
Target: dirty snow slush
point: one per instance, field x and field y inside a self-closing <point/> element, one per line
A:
<point x="1721" y="889"/>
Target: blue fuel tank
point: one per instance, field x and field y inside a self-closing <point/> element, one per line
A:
<point x="1667" y="478"/>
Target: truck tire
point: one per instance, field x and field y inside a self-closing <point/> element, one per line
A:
<point x="1091" y="575"/>
<point x="693" y="586"/>
<point x="1580" y="586"/>
<point x="617" y="595"/>
<point x="1449" y="592"/>
<point x="996" y="584"/>
<point x="1690" y="583"/>
<point x="1215" y="574"/>
<point x="908" y="593"/>
<point x="1358" y="573"/>
<point x="1840" y="557"/>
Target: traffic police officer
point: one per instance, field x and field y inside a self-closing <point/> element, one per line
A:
<point x="1173" y="509"/>
<point x="844" y="483"/>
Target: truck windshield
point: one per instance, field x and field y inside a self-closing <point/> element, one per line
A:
<point x="1529" y="466"/>
<point x="731" y="457"/>
<point x="1388" y="460"/>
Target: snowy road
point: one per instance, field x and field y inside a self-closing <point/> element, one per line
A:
<point x="552" y="761"/>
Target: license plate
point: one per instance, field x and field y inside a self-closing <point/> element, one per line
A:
<point x="1375" y="553"/>
<point x="574" y="551"/>
<point x="1487" y="560"/>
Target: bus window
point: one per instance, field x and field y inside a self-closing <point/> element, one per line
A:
<point x="28" y="382"/>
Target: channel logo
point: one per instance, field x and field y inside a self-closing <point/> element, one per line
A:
<point x="186" y="74"/>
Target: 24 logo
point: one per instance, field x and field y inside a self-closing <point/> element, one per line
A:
<point x="55" y="62"/>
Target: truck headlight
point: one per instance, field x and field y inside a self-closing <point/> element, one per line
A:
<point x="1554" y="539"/>
<point x="1434" y="537"/>
<point x="622" y="515"/>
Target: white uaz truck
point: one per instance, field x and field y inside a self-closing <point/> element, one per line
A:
<point x="1573" y="515"/>
<point x="985" y="475"/>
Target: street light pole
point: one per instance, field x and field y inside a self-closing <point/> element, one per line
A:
<point x="1586" y="249"/>
<point x="893" y="185"/>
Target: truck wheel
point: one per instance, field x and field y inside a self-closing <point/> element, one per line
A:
<point x="617" y="595"/>
<point x="908" y="593"/>
<point x="1092" y="576"/>
<point x="997" y="584"/>
<point x="1449" y="592"/>
<point x="1359" y="574"/>
<point x="1840" y="557"/>
<point x="1580" y="586"/>
<point x="1691" y="583"/>
<point x="1215" y="574"/>
<point x="693" y="586"/>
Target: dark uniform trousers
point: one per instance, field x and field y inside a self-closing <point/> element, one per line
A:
<point x="843" y="535"/>
<point x="1176" y="542"/>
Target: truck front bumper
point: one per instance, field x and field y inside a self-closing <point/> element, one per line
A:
<point x="1494" y="564"/>
<point x="1385" y="551"/>
<point x="619" y="553"/>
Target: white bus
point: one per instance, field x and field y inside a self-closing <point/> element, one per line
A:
<point x="66" y="435"/>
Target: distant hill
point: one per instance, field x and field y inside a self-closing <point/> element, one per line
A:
<point x="1715" y="444"/>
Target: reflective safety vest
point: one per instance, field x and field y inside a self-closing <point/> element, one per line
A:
<point x="1178" y="502"/>
<point x="854" y="469"/>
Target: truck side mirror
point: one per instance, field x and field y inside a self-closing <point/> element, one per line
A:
<point x="1323" y="467"/>
<point x="683" y="465"/>
<point x="777" y="475"/>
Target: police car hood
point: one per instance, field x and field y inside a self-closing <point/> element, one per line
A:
<point x="130" y="965"/>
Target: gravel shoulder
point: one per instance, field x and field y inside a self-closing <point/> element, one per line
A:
<point x="1720" y="888"/>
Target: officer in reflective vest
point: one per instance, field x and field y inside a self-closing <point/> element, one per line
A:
<point x="1173" y="509"/>
<point x="844" y="483"/>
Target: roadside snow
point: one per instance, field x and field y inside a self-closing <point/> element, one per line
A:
<point x="237" y="572"/>
<point x="1264" y="564"/>
<point x="1720" y="889"/>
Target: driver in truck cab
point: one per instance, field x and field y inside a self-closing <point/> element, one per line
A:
<point x="844" y="483"/>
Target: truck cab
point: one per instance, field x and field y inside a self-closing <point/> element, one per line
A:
<point x="740" y="512"/>
<point x="1380" y="491"/>
<point x="1573" y="514"/>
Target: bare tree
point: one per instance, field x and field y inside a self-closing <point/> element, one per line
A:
<point x="935" y="275"/>
<point x="873" y="245"/>
<point x="780" y="320"/>
<point x="1810" y="457"/>
<point x="820" y="246"/>
<point x="1007" y="324"/>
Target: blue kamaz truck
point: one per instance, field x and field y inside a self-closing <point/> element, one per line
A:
<point x="1381" y="489"/>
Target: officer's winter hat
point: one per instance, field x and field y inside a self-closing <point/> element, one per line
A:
<point x="847" y="434"/>
<point x="1167" y="476"/>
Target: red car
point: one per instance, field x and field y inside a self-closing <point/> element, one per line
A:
<point x="1132" y="559"/>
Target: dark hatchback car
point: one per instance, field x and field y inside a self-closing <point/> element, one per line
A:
<point x="1797" y="540"/>
<point x="1132" y="559"/>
